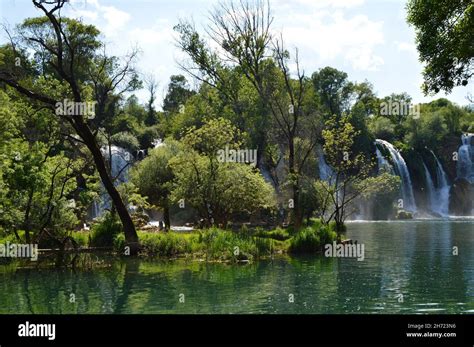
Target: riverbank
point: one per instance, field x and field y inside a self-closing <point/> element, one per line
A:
<point x="213" y="244"/>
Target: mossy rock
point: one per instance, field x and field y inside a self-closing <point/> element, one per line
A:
<point x="402" y="214"/>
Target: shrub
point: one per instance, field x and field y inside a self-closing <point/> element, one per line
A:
<point x="81" y="238"/>
<point x="333" y="226"/>
<point x="327" y="235"/>
<point x="305" y="241"/>
<point x="104" y="233"/>
<point x="277" y="234"/>
<point x="147" y="135"/>
<point x="227" y="245"/>
<point x="126" y="140"/>
<point x="312" y="238"/>
<point x="119" y="243"/>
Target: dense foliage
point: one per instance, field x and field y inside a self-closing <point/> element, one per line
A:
<point x="52" y="168"/>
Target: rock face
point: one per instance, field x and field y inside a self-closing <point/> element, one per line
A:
<point x="461" y="202"/>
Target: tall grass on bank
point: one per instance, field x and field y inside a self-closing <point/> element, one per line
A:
<point x="215" y="244"/>
<point x="312" y="238"/>
<point x="227" y="245"/>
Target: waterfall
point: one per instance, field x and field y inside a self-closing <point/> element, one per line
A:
<point x="402" y="171"/>
<point x="443" y="188"/>
<point x="382" y="163"/>
<point x="430" y="188"/>
<point x="465" y="164"/>
<point x="325" y="171"/>
<point x="120" y="162"/>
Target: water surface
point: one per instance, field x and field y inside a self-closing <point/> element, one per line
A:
<point x="409" y="267"/>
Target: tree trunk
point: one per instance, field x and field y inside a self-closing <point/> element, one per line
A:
<point x="166" y="215"/>
<point x="296" y="216"/>
<point x="26" y="222"/>
<point x="131" y="237"/>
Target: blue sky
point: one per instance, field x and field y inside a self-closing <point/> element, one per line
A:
<point x="368" y="39"/>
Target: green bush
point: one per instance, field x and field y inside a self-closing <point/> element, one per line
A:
<point x="305" y="241"/>
<point x="327" y="235"/>
<point x="126" y="140"/>
<point x="312" y="238"/>
<point x="147" y="135"/>
<point x="103" y="234"/>
<point x="81" y="238"/>
<point x="333" y="226"/>
<point x="277" y="234"/>
<point x="119" y="243"/>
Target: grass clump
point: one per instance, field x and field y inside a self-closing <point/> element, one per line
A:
<point x="277" y="234"/>
<point x="166" y="244"/>
<point x="82" y="238"/>
<point x="104" y="233"/>
<point x="220" y="244"/>
<point x="312" y="238"/>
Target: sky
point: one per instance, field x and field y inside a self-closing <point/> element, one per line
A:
<point x="368" y="39"/>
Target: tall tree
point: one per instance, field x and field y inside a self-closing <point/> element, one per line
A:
<point x="152" y="86"/>
<point x="334" y="90"/>
<point x="243" y="32"/>
<point x="68" y="53"/>
<point x="178" y="92"/>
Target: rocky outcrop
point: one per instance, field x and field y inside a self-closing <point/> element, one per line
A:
<point x="461" y="198"/>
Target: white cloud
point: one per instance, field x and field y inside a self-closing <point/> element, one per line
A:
<point x="334" y="35"/>
<point x="406" y="47"/>
<point x="316" y="4"/>
<point x="115" y="19"/>
<point x="149" y="36"/>
<point x="109" y="19"/>
<point x="88" y="15"/>
<point x="331" y="3"/>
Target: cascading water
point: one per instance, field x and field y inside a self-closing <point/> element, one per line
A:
<point x="382" y="163"/>
<point x="402" y="170"/>
<point x="442" y="190"/>
<point x="465" y="163"/>
<point x="120" y="163"/>
<point x="325" y="171"/>
<point x="430" y="189"/>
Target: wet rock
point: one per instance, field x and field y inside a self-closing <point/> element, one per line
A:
<point x="461" y="198"/>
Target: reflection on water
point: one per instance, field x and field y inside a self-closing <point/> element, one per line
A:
<point x="409" y="267"/>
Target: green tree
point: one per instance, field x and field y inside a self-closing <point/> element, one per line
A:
<point x="154" y="177"/>
<point x="444" y="32"/>
<point x="71" y="67"/>
<point x="177" y="95"/>
<point x="382" y="190"/>
<point x="334" y="90"/>
<point x="243" y="32"/>
<point x="350" y="170"/>
<point x="217" y="189"/>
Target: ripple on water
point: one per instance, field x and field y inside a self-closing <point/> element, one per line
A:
<point x="429" y="310"/>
